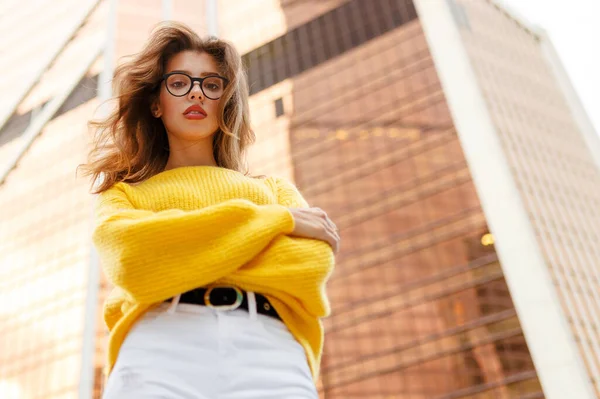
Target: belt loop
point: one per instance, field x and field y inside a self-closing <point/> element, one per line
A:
<point x="251" y="305"/>
<point x="174" y="303"/>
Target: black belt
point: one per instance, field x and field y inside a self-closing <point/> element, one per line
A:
<point x="227" y="298"/>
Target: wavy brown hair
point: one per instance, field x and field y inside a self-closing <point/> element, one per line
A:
<point x="130" y="145"/>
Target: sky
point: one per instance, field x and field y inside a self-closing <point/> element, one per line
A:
<point x="574" y="30"/>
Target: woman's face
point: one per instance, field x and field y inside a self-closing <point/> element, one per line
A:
<point x="180" y="122"/>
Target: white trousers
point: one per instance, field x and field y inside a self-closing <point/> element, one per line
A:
<point x="184" y="351"/>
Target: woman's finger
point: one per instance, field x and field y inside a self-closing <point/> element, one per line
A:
<point x="334" y="240"/>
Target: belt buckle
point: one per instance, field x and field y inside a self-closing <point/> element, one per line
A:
<point x="238" y="299"/>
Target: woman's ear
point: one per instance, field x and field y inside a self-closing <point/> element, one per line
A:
<point x="155" y="108"/>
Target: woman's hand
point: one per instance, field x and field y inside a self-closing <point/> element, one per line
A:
<point x="314" y="223"/>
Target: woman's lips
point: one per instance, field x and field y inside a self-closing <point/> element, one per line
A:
<point x="195" y="111"/>
<point x="194" y="115"/>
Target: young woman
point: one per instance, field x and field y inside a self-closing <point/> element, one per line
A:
<point x="219" y="277"/>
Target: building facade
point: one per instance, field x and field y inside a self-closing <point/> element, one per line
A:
<point x="441" y="136"/>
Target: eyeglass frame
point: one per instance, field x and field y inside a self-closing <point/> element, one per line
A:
<point x="199" y="80"/>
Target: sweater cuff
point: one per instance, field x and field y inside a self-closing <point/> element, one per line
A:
<point x="287" y="218"/>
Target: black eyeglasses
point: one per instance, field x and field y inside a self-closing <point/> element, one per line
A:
<point x="180" y="84"/>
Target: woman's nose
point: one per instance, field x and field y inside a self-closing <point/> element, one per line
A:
<point x="196" y="91"/>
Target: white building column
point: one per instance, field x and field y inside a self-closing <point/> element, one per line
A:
<point x="212" y="17"/>
<point x="167" y="10"/>
<point x="86" y="381"/>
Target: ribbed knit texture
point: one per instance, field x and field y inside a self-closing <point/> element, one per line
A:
<point x="194" y="226"/>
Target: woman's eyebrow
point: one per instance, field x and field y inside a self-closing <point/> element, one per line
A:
<point x="189" y="73"/>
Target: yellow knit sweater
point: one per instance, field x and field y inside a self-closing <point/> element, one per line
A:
<point x="196" y="225"/>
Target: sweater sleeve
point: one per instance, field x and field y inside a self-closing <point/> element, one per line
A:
<point x="153" y="256"/>
<point x="288" y="195"/>
<point x="299" y="266"/>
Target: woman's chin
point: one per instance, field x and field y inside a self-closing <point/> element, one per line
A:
<point x="192" y="135"/>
